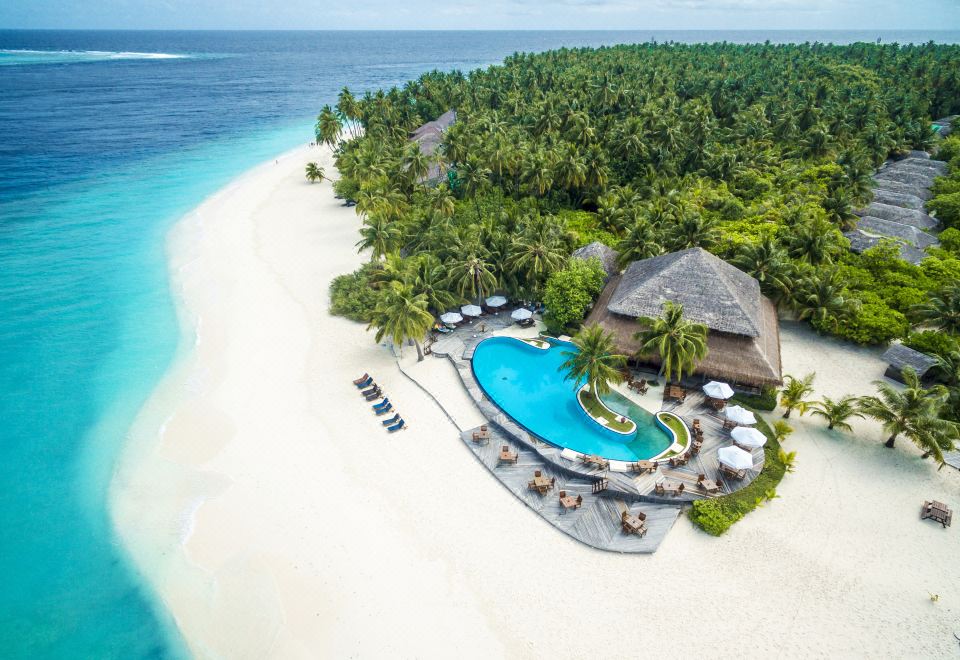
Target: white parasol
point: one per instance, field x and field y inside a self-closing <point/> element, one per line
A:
<point x="496" y="301"/>
<point x="735" y="458"/>
<point x="748" y="437"/>
<point x="451" y="317"/>
<point x="471" y="310"/>
<point x="740" y="415"/>
<point x="717" y="390"/>
<point x="521" y="314"/>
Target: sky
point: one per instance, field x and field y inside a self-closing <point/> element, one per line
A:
<point x="482" y="14"/>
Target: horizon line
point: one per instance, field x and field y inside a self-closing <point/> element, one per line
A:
<point x="281" y="29"/>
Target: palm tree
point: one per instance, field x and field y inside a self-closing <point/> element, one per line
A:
<point x="640" y="242"/>
<point x="794" y="393"/>
<point x="767" y="263"/>
<point x="913" y="412"/>
<point x="473" y="276"/>
<point x="595" y="361"/>
<point x="328" y="127"/>
<point x="473" y="176"/>
<point x="837" y="412"/>
<point x="692" y="230"/>
<point x="401" y="314"/>
<point x="942" y="311"/>
<point x="314" y="172"/>
<point x="536" y="257"/>
<point x="781" y="431"/>
<point x="680" y="343"/>
<point x="378" y="235"/>
<point x="429" y="278"/>
<point x="820" y="299"/>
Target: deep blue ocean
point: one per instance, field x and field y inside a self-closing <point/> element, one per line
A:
<point x="106" y="138"/>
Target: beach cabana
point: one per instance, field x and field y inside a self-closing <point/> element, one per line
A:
<point x="717" y="390"/>
<point x="740" y="415"/>
<point x="747" y="437"/>
<point x="471" y="310"/>
<point x="451" y="317"/>
<point x="735" y="458"/>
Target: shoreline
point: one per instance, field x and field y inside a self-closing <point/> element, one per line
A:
<point x="274" y="518"/>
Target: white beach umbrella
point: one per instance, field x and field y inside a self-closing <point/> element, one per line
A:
<point x="717" y="390"/>
<point x="521" y="314"/>
<point x="735" y="458"/>
<point x="748" y="437"/>
<point x="451" y="317"/>
<point x="471" y="310"/>
<point x="496" y="301"/>
<point x="740" y="415"/>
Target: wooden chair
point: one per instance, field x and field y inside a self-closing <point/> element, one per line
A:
<point x="482" y="436"/>
<point x="659" y="489"/>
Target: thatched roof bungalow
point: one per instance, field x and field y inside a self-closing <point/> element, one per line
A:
<point x="744" y="333"/>
<point x="899" y="357"/>
<point x="597" y="250"/>
<point x="430" y="136"/>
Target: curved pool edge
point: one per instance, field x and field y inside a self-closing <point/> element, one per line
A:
<point x="632" y="432"/>
<point x="553" y="341"/>
<point x="676" y="441"/>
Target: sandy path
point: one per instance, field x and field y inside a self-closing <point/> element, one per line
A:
<point x="275" y="517"/>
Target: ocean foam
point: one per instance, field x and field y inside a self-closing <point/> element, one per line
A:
<point x="10" y="57"/>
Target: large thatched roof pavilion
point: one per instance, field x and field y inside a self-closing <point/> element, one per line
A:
<point x="744" y="337"/>
<point x="597" y="250"/>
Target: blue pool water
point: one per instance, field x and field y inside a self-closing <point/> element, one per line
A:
<point x="527" y="383"/>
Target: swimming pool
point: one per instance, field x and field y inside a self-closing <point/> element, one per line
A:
<point x="526" y="383"/>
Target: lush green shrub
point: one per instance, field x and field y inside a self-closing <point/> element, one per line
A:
<point x="949" y="148"/>
<point x="947" y="208"/>
<point x="716" y="515"/>
<point x="585" y="228"/>
<point x="766" y="400"/>
<point x="932" y="342"/>
<point x="873" y="322"/>
<point x="352" y="296"/>
<point x="950" y="240"/>
<point x="571" y="290"/>
<point x="346" y="188"/>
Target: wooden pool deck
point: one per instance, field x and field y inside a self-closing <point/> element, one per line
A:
<point x="607" y="492"/>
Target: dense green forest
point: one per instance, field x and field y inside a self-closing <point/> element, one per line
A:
<point x="757" y="153"/>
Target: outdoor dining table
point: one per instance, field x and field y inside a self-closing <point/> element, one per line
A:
<point x="710" y="485"/>
<point x="542" y="484"/>
<point x="646" y="466"/>
<point x="568" y="502"/>
<point x="632" y="524"/>
<point x="670" y="486"/>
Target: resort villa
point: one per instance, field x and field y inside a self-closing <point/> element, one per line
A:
<point x="744" y="334"/>
<point x="429" y="137"/>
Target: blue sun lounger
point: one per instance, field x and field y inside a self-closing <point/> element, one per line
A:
<point x="384" y="411"/>
<point x="382" y="404"/>
<point x="396" y="427"/>
<point x="365" y="383"/>
<point x="393" y="420"/>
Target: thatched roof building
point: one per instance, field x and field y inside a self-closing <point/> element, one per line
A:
<point x="923" y="192"/>
<point x="744" y="338"/>
<point x="861" y="242"/>
<point x="606" y="254"/>
<point x="911" y="217"/>
<point x="939" y="167"/>
<point x="895" y="230"/>
<point x="902" y="200"/>
<point x="430" y="136"/>
<point x="900" y="357"/>
<point x="907" y="176"/>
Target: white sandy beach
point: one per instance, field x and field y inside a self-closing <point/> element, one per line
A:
<point x="275" y="518"/>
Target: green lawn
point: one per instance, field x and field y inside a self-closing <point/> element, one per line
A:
<point x="597" y="409"/>
<point x="680" y="430"/>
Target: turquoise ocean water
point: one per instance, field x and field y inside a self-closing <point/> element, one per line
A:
<point x="106" y="138"/>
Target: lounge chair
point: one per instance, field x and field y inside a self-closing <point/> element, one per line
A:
<point x="363" y="379"/>
<point x="374" y="395"/>
<point x="396" y="427"/>
<point x="367" y="383"/>
<point x="373" y="388"/>
<point x="384" y="411"/>
<point x="393" y="420"/>
<point x="382" y="404"/>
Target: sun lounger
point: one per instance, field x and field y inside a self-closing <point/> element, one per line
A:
<point x="366" y="383"/>
<point x="374" y="395"/>
<point x="384" y="411"/>
<point x="382" y="404"/>
<point x="374" y="387"/>
<point x="396" y="427"/>
<point x="393" y="420"/>
<point x="363" y="379"/>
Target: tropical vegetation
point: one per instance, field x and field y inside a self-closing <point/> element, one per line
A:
<point x="679" y="344"/>
<point x="595" y="362"/>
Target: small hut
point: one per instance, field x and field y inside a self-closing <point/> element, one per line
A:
<point x="744" y="333"/>
<point x="882" y="196"/>
<point x="597" y="250"/>
<point x="900" y="357"/>
<point x="429" y="137"/>
<point x="917" y="219"/>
